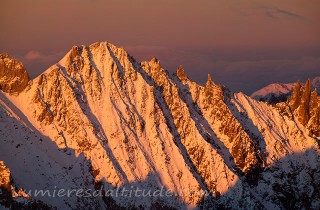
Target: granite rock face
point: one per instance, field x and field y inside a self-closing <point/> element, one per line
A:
<point x="13" y="76"/>
<point x="305" y="106"/>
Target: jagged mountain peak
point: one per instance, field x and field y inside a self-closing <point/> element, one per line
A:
<point x="209" y="83"/>
<point x="81" y="61"/>
<point x="135" y="125"/>
<point x="180" y="72"/>
<point x="4" y="55"/>
<point x="305" y="107"/>
<point x="155" y="60"/>
<point x="98" y="47"/>
<point x="14" y="77"/>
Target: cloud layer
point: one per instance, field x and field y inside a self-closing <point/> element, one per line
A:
<point x="36" y="61"/>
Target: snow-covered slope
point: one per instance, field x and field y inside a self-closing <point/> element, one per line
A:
<point x="273" y="92"/>
<point x="315" y="83"/>
<point x="279" y="92"/>
<point x="37" y="163"/>
<point x="106" y="122"/>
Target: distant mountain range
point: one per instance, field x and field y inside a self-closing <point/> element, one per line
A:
<point x="100" y="121"/>
<point x="279" y="92"/>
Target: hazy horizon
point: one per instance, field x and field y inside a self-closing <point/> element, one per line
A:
<point x="244" y="46"/>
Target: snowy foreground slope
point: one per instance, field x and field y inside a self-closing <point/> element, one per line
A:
<point x="98" y="120"/>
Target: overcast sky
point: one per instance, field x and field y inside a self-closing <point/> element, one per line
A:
<point x="243" y="44"/>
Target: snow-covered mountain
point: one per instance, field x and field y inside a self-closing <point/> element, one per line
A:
<point x="99" y="120"/>
<point x="279" y="92"/>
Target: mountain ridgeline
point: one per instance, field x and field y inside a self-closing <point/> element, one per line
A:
<point x="280" y="92"/>
<point x="98" y="120"/>
<point x="304" y="106"/>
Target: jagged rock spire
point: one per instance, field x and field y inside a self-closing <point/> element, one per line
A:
<point x="181" y="73"/>
<point x="4" y="55"/>
<point x="295" y="97"/>
<point x="314" y="98"/>
<point x="304" y="106"/>
<point x="307" y="91"/>
<point x="209" y="81"/>
<point x="155" y="60"/>
<point x="13" y="75"/>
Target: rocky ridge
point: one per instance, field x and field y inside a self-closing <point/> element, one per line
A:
<point x="167" y="131"/>
<point x="304" y="107"/>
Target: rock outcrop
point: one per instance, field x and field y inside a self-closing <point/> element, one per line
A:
<point x="13" y="75"/>
<point x="305" y="106"/>
<point x="5" y="179"/>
